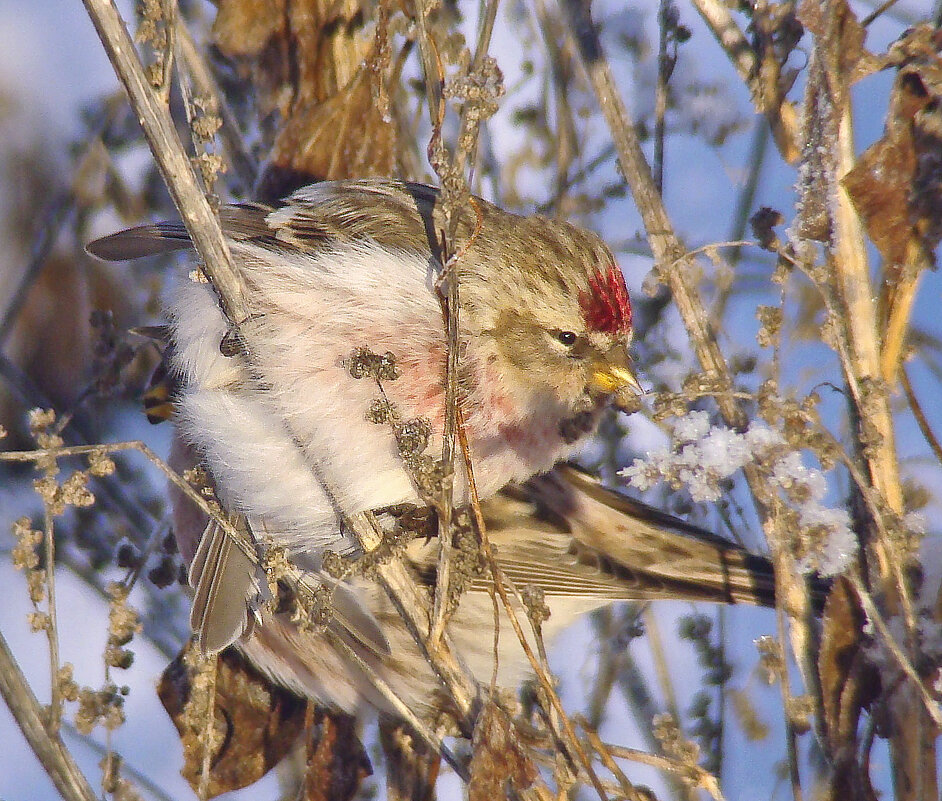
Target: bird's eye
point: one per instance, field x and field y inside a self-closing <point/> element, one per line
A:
<point x="568" y="338"/>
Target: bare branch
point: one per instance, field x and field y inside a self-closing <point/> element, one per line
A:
<point x="781" y="114"/>
<point x="54" y="756"/>
<point x="200" y="220"/>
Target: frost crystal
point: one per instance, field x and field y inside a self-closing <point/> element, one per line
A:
<point x="760" y="437"/>
<point x="724" y="451"/>
<point x="702" y="457"/>
<point x="692" y="426"/>
<point x="836" y="544"/>
<point x="915" y="522"/>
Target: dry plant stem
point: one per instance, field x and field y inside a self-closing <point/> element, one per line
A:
<point x="879" y="10"/>
<point x="432" y="70"/>
<point x="52" y="630"/>
<point x="849" y="267"/>
<point x="852" y="271"/>
<point x="656" y="645"/>
<point x="801" y="636"/>
<point x="660" y="96"/>
<point x="200" y="220"/>
<point x="209" y="725"/>
<point x="239" y="158"/>
<point x="442" y="585"/>
<point x="782" y="117"/>
<point x="501" y="583"/>
<point x="135" y="445"/>
<point x="598" y="746"/>
<point x="58" y="212"/>
<point x="904" y="664"/>
<point x="170" y="15"/>
<point x="667" y="248"/>
<point x="607" y="669"/>
<point x="671" y="767"/>
<point x="48" y="747"/>
<point x="127" y="769"/>
<point x="920" y="416"/>
<point x="408" y="600"/>
<point x="468" y="129"/>
<point x="565" y="149"/>
<point x="485" y="30"/>
<point x="782" y="565"/>
<point x="746" y="201"/>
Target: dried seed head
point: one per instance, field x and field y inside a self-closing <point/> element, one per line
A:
<point x="413" y="436"/>
<point x="363" y="363"/>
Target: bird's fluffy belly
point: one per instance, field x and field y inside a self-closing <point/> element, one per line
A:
<point x="287" y="457"/>
<point x="291" y="443"/>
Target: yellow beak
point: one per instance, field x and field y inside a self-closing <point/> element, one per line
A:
<point x="619" y="381"/>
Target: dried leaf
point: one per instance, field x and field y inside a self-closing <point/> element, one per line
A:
<point x="840" y="37"/>
<point x="296" y="52"/>
<point x="343" y="137"/>
<point x="497" y="757"/>
<point x="243" y="28"/>
<point x="411" y="765"/>
<point x="896" y="184"/>
<point x="848" y="684"/>
<point x="336" y="761"/>
<point x="258" y="720"/>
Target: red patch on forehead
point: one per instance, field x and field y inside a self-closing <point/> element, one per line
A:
<point x="605" y="306"/>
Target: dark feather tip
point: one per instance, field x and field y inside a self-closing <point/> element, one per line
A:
<point x="134" y="243"/>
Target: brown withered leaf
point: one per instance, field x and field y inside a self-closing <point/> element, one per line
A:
<point x="896" y="185"/>
<point x="243" y="28"/>
<point x="319" y="77"/>
<point x="411" y="764"/>
<point x="336" y="760"/>
<point x="295" y="52"/>
<point x="497" y="757"/>
<point x="848" y="684"/>
<point x="840" y="37"/>
<point x="259" y="721"/>
<point x="343" y="137"/>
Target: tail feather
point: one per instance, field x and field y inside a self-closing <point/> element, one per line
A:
<point x="224" y="581"/>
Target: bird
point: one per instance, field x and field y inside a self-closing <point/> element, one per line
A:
<point x="328" y="400"/>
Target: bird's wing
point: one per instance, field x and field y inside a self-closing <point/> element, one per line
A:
<point x="571" y="536"/>
<point x="394" y="214"/>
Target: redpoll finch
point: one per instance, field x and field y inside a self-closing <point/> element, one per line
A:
<point x="296" y="441"/>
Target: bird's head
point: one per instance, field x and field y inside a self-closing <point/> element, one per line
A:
<point x="553" y="304"/>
